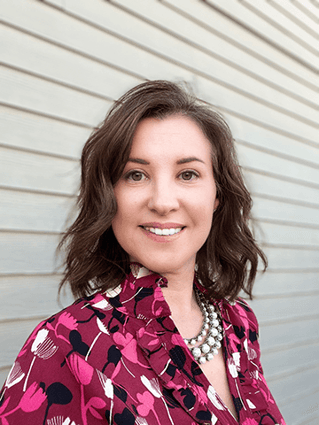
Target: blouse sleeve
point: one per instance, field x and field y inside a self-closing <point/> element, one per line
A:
<point x="254" y="385"/>
<point x="50" y="382"/>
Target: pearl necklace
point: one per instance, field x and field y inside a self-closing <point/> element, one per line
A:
<point x="211" y="332"/>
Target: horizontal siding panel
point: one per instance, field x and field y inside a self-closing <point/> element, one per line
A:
<point x="63" y="65"/>
<point x="34" y="132"/>
<point x="254" y="159"/>
<point x="34" y="211"/>
<point x="38" y="172"/>
<point x="303" y="20"/>
<point x="290" y="359"/>
<point x="285" y="308"/>
<point x="302" y="410"/>
<point x="26" y="91"/>
<point x="302" y="382"/>
<point x="259" y="25"/>
<point x="290" y="284"/>
<point x="254" y="133"/>
<point x="228" y="26"/>
<point x="53" y="25"/>
<point x="261" y="184"/>
<point x="281" y="21"/>
<point x="308" y="7"/>
<point x="13" y="335"/>
<point x="41" y="298"/>
<point x="158" y="68"/>
<point x="27" y="253"/>
<point x="282" y="234"/>
<point x="180" y="18"/>
<point x="171" y="46"/>
<point x="290" y="259"/>
<point x="280" y="335"/>
<point x="267" y="209"/>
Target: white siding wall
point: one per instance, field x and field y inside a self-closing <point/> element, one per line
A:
<point x="62" y="63"/>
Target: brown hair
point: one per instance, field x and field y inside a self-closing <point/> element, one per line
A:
<point x="226" y="263"/>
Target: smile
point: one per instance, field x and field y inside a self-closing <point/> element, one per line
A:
<point x="163" y="232"/>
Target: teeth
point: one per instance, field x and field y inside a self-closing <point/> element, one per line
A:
<point x="163" y="232"/>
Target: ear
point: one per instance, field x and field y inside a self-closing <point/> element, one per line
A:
<point x="216" y="203"/>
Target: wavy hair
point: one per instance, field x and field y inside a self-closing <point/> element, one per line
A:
<point x="225" y="264"/>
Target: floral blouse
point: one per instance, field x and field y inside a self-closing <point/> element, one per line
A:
<point x="117" y="358"/>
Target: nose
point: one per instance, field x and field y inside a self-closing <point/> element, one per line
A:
<point x="163" y="198"/>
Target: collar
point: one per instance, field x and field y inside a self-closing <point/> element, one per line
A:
<point x="140" y="294"/>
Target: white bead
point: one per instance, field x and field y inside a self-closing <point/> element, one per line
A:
<point x="215" y="323"/>
<point x="205" y="348"/>
<point x="203" y="333"/>
<point x="219" y="337"/>
<point x="202" y="360"/>
<point x="210" y="356"/>
<point x="214" y="332"/>
<point x="215" y="351"/>
<point x="210" y="341"/>
<point x="199" y="338"/>
<point x="196" y="352"/>
<point x="192" y="342"/>
<point x="218" y="344"/>
<point x="206" y="326"/>
<point x="214" y="315"/>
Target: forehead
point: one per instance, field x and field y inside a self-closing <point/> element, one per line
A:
<point x="174" y="135"/>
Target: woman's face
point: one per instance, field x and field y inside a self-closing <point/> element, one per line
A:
<point x="166" y="195"/>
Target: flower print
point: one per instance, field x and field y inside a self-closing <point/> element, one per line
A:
<point x="112" y="293"/>
<point x="67" y="421"/>
<point x="82" y="370"/>
<point x="59" y="420"/>
<point x="236" y="358"/>
<point x="106" y="384"/>
<point x="139" y="271"/>
<point x="141" y="421"/>
<point x="147" y="402"/>
<point x="200" y="393"/>
<point x="250" y="421"/>
<point x="129" y="350"/>
<point x="250" y="404"/>
<point x="33" y="398"/>
<point x="103" y="329"/>
<point x="158" y="296"/>
<point x="213" y="397"/>
<point x="39" y="339"/>
<point x="250" y="351"/>
<point x="42" y="347"/>
<point x="232" y="367"/>
<point x="154" y="387"/>
<point x="67" y="320"/>
<point x="15" y="375"/>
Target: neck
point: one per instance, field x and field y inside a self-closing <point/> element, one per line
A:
<point x="179" y="293"/>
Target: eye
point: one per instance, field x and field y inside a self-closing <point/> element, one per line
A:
<point x="135" y="176"/>
<point x="188" y="175"/>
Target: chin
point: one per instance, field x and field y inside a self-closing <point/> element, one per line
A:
<point x="165" y="265"/>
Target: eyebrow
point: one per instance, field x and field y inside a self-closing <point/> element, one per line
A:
<point x="189" y="159"/>
<point x="180" y="161"/>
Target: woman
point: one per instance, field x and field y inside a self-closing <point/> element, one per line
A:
<point x="162" y="243"/>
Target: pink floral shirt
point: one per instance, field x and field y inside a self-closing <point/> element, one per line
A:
<point x="117" y="358"/>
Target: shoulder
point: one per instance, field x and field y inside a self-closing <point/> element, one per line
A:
<point x="241" y="314"/>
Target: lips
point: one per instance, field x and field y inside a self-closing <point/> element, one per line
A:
<point x="163" y="232"/>
<point x="163" y="229"/>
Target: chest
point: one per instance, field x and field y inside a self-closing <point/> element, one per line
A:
<point x="215" y="371"/>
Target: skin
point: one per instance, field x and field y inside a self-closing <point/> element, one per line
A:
<point x="168" y="183"/>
